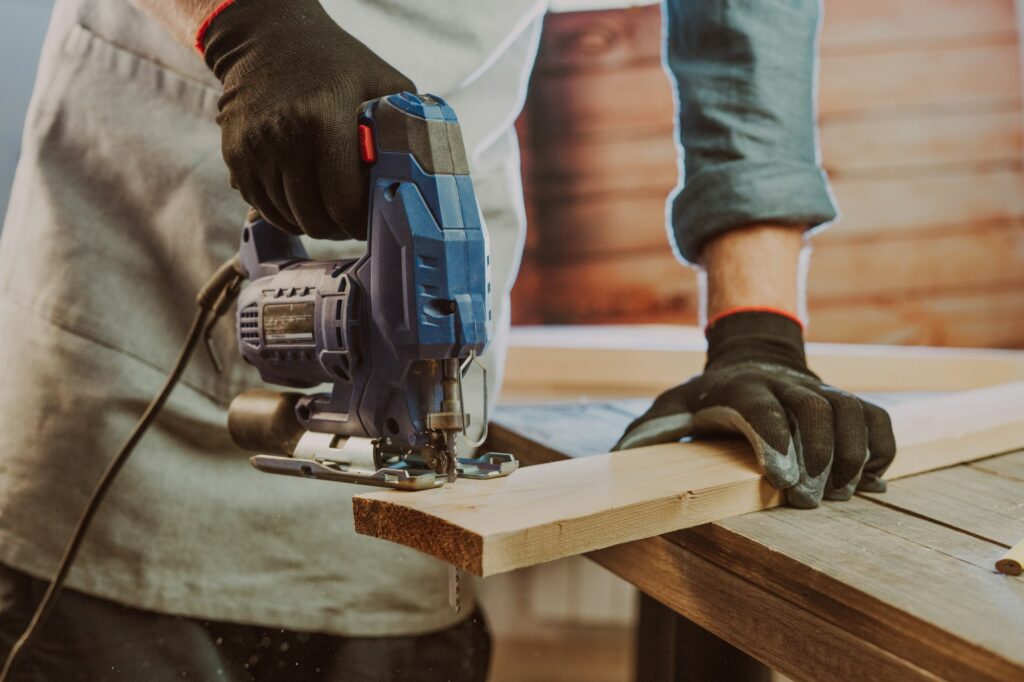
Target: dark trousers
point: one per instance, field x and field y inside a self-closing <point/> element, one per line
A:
<point x="92" y="639"/>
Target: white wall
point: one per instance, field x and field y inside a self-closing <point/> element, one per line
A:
<point x="22" y="26"/>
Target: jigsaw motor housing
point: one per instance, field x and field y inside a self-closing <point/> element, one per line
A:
<point x="378" y="328"/>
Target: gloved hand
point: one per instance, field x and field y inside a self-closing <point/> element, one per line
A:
<point x="813" y="440"/>
<point x="293" y="83"/>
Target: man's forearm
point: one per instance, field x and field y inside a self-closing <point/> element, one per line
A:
<point x="181" y="18"/>
<point x="744" y="72"/>
<point x="757" y="266"/>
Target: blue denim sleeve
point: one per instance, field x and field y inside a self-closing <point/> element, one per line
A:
<point x="745" y="73"/>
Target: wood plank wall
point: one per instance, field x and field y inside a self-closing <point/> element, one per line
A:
<point x="921" y="132"/>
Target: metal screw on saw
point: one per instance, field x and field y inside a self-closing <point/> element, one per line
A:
<point x="454" y="585"/>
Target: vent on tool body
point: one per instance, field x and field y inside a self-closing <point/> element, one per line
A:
<point x="249" y="325"/>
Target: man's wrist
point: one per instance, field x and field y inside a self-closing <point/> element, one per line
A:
<point x="756" y="336"/>
<point x="760" y="267"/>
<point x="208" y="19"/>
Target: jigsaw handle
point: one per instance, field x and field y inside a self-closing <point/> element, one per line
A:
<point x="265" y="250"/>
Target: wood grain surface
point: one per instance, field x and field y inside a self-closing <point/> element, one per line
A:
<point x="871" y="567"/>
<point x="876" y="571"/>
<point x="563" y="508"/>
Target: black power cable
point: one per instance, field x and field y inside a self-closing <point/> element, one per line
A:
<point x="213" y="300"/>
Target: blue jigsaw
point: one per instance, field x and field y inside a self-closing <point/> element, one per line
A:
<point x="394" y="331"/>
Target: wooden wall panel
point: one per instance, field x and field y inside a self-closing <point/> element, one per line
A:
<point x="987" y="317"/>
<point x="964" y="136"/>
<point x="850" y="24"/>
<point x="617" y="224"/>
<point x="622" y="164"/>
<point x="892" y="203"/>
<point x="985" y="255"/>
<point x="920" y="106"/>
<point x="851" y="83"/>
<point x="924" y="77"/>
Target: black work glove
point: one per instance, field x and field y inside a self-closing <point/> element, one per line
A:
<point x="293" y="83"/>
<point x="813" y="440"/>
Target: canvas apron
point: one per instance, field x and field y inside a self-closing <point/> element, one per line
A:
<point x="120" y="211"/>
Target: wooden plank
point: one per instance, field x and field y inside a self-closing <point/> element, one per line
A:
<point x="1011" y="466"/>
<point x="751" y="618"/>
<point x="889" y="606"/>
<point x="647" y="359"/>
<point x="548" y="441"/>
<point x="877" y="571"/>
<point x="521" y="520"/>
<point x="548" y="511"/>
<point x="974" y="501"/>
<point x="549" y="432"/>
<point x="688" y="652"/>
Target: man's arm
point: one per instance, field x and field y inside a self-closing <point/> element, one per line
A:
<point x="760" y="266"/>
<point x="745" y="71"/>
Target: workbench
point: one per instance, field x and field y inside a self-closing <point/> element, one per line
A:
<point x="898" y="586"/>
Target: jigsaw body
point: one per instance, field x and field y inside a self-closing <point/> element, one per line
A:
<point x="393" y="331"/>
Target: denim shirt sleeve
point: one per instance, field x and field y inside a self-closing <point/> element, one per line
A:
<point x="745" y="73"/>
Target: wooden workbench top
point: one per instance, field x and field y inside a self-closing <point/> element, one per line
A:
<point x="894" y="586"/>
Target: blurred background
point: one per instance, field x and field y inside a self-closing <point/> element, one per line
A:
<point x="21" y="37"/>
<point x="921" y="133"/>
<point x="920" y="113"/>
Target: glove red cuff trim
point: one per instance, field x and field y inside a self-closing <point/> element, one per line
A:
<point x="205" y="26"/>
<point x="754" y="309"/>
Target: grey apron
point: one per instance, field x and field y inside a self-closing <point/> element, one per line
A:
<point x="120" y="210"/>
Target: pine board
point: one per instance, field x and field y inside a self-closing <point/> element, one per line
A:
<point x="1010" y="466"/>
<point x="563" y="508"/>
<point x="983" y="504"/>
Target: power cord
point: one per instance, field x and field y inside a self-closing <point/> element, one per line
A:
<point x="212" y="301"/>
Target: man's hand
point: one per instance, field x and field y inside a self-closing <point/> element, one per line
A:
<point x="293" y="82"/>
<point x="813" y="440"/>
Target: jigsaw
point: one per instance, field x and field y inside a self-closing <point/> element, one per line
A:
<point x="395" y="332"/>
